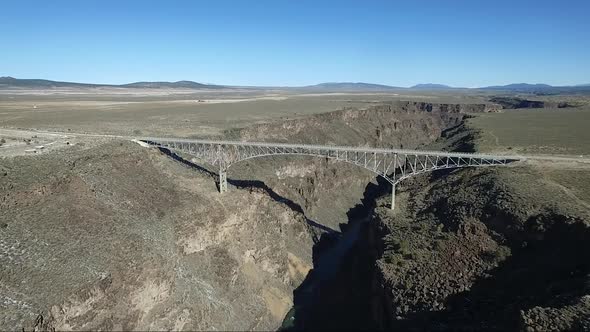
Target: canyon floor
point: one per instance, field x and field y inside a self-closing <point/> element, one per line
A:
<point x="103" y="233"/>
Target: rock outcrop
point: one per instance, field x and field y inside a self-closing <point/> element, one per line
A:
<point x="395" y="124"/>
<point x="327" y="189"/>
<point x="483" y="249"/>
<point x="514" y="102"/>
<point x="122" y="237"/>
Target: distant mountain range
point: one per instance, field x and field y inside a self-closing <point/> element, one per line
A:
<point x="520" y="86"/>
<point x="539" y="88"/>
<point x="179" y="84"/>
<point x="358" y="86"/>
<point x="432" y="86"/>
<point x="10" y="82"/>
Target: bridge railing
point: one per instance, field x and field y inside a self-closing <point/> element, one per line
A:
<point x="393" y="165"/>
<point x="336" y="148"/>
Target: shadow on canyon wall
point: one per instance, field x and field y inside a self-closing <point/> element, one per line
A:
<point x="338" y="293"/>
<point x="549" y="266"/>
<point x="257" y="184"/>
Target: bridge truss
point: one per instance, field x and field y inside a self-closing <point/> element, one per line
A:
<point x="391" y="164"/>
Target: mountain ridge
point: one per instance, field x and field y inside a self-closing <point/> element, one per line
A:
<point x="11" y="82"/>
<point x="351" y="86"/>
<point x="178" y="84"/>
<point x="434" y="86"/>
<point x="520" y="86"/>
<point x="7" y="82"/>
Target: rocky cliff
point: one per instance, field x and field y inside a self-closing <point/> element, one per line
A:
<point x="394" y="124"/>
<point x="327" y="189"/>
<point x="482" y="249"/>
<point x="514" y="102"/>
<point x="122" y="237"/>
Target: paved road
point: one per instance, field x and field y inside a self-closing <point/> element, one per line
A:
<point x="21" y="132"/>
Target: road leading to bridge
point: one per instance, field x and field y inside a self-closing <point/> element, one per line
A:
<point x="394" y="165"/>
<point x="20" y="132"/>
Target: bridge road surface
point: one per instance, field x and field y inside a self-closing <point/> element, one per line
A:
<point x="21" y="132"/>
<point x="406" y="163"/>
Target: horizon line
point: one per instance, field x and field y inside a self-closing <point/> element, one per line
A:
<point x="297" y="86"/>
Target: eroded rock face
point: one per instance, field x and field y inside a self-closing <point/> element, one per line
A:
<point x="447" y="108"/>
<point x="514" y="102"/>
<point x="325" y="189"/>
<point x="394" y="124"/>
<point x="129" y="239"/>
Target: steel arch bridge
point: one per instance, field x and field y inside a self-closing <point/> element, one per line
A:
<point x="394" y="165"/>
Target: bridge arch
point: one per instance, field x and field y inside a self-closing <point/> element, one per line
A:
<point x="384" y="176"/>
<point x="391" y="164"/>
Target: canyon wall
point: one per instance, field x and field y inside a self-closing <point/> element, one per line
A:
<point x="123" y="237"/>
<point x="327" y="189"/>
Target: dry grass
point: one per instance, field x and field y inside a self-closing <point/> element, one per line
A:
<point x="189" y="114"/>
<point x="535" y="131"/>
<point x="543" y="131"/>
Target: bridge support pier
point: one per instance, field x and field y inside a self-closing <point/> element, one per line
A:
<point x="393" y="196"/>
<point x="222" y="180"/>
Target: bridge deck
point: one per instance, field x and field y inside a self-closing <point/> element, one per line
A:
<point x="338" y="148"/>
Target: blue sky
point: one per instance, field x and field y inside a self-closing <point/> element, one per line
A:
<point x="298" y="42"/>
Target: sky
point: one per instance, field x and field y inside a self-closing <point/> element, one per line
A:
<point x="298" y="42"/>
